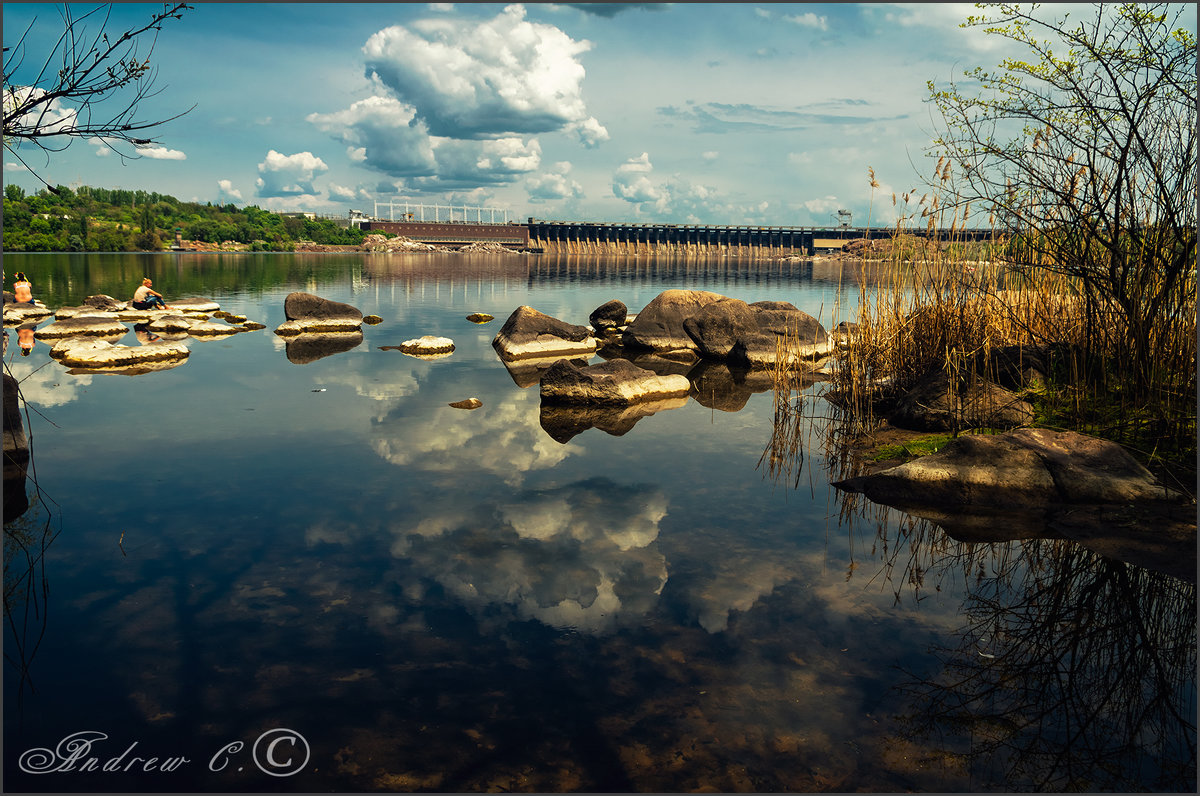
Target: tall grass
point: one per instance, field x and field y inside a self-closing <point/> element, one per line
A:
<point x="955" y="306"/>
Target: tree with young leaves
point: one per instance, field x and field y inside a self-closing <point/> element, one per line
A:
<point x="1083" y="149"/>
<point x="89" y="85"/>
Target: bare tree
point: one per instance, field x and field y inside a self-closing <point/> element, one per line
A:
<point x="90" y="85"/>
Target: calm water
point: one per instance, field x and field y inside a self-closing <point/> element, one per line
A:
<point x="449" y="600"/>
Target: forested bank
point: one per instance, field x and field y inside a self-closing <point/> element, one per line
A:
<point x="115" y="220"/>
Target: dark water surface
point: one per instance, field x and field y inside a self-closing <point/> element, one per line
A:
<point x="450" y="600"/>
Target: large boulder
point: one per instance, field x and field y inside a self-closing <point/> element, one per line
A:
<point x="933" y="406"/>
<point x="660" y="324"/>
<point x="308" y="313"/>
<point x="617" y="382"/>
<point x="749" y="334"/>
<point x="529" y="334"/>
<point x="1019" y="469"/>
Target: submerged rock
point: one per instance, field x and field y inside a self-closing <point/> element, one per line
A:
<point x="531" y="334"/>
<point x="617" y="382"/>
<point x="480" y="317"/>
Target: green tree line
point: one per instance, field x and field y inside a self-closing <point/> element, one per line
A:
<point x="115" y="220"/>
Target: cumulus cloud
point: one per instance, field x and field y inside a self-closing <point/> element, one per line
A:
<point x="468" y="163"/>
<point x="49" y="117"/>
<point x="554" y="185"/>
<point x="340" y="193"/>
<point x="226" y="188"/>
<point x="631" y="183"/>
<point x="498" y="77"/>
<point x="589" y="132"/>
<point x="384" y="133"/>
<point x="288" y="175"/>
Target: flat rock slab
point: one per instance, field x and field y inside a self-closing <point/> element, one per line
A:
<point x="83" y="353"/>
<point x="100" y="325"/>
<point x="1019" y="469"/>
<point x="17" y="314"/>
<point x="427" y="345"/>
<point x="615" y="383"/>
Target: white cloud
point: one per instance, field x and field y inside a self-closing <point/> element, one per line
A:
<point x="160" y="153"/>
<point x="383" y="133"/>
<point x="227" y="189"/>
<point x="631" y="183"/>
<point x="710" y="155"/>
<point x="50" y="117"/>
<point x="476" y="80"/>
<point x="589" y="132"/>
<point x="342" y="193"/>
<point x="553" y="186"/>
<point x="807" y="20"/>
<point x="288" y="175"/>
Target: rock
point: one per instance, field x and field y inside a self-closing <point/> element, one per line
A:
<point x="308" y="313"/>
<point x="103" y="302"/>
<point x="469" y="403"/>
<point x="618" y="383"/>
<point x="609" y="316"/>
<point x="715" y="328"/>
<point x="372" y="320"/>
<point x="531" y="334"/>
<point x="930" y="406"/>
<point x="427" y="345"/>
<point x="1019" y="469"/>
<point x="172" y="323"/>
<point x="102" y="325"/>
<point x="77" y="352"/>
<point x="564" y="421"/>
<point x="209" y="329"/>
<point x="480" y="317"/>
<point x="193" y="305"/>
<point x="17" y="314"/>
<point x="528" y="372"/>
<point x="659" y="326"/>
<point x="252" y="325"/>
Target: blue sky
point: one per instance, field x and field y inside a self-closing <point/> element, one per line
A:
<point x="707" y="113"/>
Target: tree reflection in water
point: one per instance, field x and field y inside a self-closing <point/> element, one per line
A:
<point x="1072" y="671"/>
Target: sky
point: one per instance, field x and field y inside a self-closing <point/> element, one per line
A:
<point x="687" y="113"/>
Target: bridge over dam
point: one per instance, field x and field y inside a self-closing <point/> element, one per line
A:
<point x="584" y="237"/>
<point x="572" y="237"/>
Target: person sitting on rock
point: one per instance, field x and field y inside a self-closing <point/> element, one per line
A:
<point x="144" y="298"/>
<point x="22" y="289"/>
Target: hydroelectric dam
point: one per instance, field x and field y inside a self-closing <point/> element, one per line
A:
<point x="587" y="237"/>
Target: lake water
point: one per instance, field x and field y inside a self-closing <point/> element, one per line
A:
<point x="274" y="572"/>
